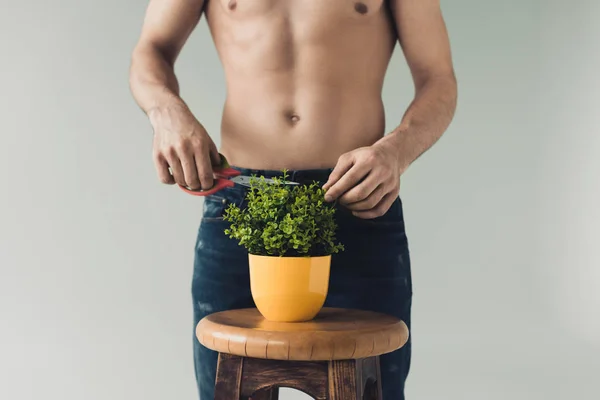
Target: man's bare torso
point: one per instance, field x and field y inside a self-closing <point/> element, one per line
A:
<point x="304" y="78"/>
<point x="304" y="81"/>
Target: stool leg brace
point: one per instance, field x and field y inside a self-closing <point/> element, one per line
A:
<point x="259" y="379"/>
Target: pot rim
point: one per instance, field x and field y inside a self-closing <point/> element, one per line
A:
<point x="290" y="257"/>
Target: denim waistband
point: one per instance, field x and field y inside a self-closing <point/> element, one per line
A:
<point x="304" y="176"/>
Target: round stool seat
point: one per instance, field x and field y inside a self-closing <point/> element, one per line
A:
<point x="334" y="334"/>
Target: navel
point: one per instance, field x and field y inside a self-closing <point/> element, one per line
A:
<point x="293" y="117"/>
<point x="232" y="4"/>
<point x="361" y="8"/>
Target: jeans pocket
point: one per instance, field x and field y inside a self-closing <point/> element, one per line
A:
<point x="213" y="208"/>
<point x="215" y="205"/>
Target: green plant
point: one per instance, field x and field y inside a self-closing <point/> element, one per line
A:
<point x="284" y="220"/>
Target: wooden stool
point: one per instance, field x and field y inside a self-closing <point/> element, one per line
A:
<point x="333" y="357"/>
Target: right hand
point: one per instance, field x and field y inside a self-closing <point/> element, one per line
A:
<point x="182" y="145"/>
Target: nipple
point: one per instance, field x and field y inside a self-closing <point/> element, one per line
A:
<point x="232" y="4"/>
<point x="361" y="8"/>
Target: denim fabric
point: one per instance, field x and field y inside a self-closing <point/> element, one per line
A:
<point x="373" y="273"/>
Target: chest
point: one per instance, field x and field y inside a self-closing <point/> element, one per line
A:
<point x="315" y="10"/>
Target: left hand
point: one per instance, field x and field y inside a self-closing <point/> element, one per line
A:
<point x="366" y="180"/>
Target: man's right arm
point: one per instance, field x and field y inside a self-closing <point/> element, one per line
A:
<point x="180" y="141"/>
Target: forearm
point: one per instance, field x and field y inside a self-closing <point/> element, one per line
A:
<point x="425" y="120"/>
<point x="152" y="81"/>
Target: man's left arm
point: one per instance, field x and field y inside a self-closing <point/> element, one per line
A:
<point x="367" y="180"/>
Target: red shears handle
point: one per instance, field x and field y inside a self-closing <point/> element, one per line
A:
<point x="223" y="173"/>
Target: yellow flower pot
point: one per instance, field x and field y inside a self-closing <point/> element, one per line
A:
<point x="289" y="289"/>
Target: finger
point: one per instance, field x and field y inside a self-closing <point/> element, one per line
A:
<point x="205" y="170"/>
<point x="162" y="170"/>
<point x="176" y="169"/>
<point x="380" y="209"/>
<point x="215" y="157"/>
<point x="369" y="202"/>
<point x="347" y="181"/>
<point x="188" y="164"/>
<point x="344" y="163"/>
<point x="361" y="191"/>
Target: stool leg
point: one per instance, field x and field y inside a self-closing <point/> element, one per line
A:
<point x="370" y="378"/>
<point x="229" y="377"/>
<point x="344" y="380"/>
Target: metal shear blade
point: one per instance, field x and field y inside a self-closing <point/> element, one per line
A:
<point x="245" y="181"/>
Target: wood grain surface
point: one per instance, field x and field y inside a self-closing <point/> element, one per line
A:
<point x="335" y="334"/>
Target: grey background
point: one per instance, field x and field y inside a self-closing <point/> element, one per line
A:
<point x="502" y="215"/>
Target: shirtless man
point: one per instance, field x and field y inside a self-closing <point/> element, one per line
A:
<point x="304" y="82"/>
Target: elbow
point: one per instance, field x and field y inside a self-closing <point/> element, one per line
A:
<point x="450" y="86"/>
<point x="138" y="60"/>
<point x="445" y="78"/>
<point x="133" y="68"/>
<point x="448" y="92"/>
<point x="147" y="60"/>
<point x="441" y="86"/>
<point x="444" y="83"/>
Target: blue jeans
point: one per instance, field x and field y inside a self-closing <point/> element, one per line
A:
<point x="372" y="273"/>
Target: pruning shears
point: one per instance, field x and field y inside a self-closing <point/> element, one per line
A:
<point x="225" y="177"/>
